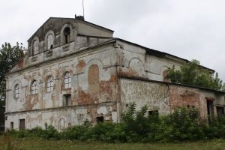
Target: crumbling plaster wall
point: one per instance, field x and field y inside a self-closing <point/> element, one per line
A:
<point x="89" y="102"/>
<point x="166" y="97"/>
<point x="154" y="95"/>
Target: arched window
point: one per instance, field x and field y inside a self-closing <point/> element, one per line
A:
<point x="50" y="83"/>
<point x="50" y="41"/>
<point x="35" y="47"/>
<point x="16" y="91"/>
<point x="33" y="88"/>
<point x="93" y="79"/>
<point x="67" y="80"/>
<point x="66" y="33"/>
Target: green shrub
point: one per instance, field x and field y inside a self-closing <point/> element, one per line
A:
<point x="185" y="125"/>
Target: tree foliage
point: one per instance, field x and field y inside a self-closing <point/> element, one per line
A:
<point x="9" y="56"/>
<point x="192" y="74"/>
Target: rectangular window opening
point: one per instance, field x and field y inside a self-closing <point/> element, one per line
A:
<point x="12" y="125"/>
<point x="220" y="111"/>
<point x="153" y="112"/>
<point x="210" y="111"/>
<point x="100" y="119"/>
<point x="67" y="99"/>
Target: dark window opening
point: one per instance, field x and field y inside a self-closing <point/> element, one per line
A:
<point x="11" y="125"/>
<point x="5" y="117"/>
<point x="210" y="111"/>
<point x="22" y="124"/>
<point x="220" y="111"/>
<point x="67" y="35"/>
<point x="100" y="119"/>
<point x="67" y="99"/>
<point x="51" y="47"/>
<point x="153" y="112"/>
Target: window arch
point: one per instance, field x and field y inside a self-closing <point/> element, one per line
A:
<point x="16" y="91"/>
<point x="33" y="88"/>
<point x="66" y="33"/>
<point x="35" y="47"/>
<point x="50" y="84"/>
<point x="67" y="80"/>
<point x="93" y="79"/>
<point x="50" y="41"/>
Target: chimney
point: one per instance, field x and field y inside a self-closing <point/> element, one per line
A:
<point x="79" y="17"/>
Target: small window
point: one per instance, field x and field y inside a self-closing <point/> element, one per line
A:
<point x="100" y="119"/>
<point x="34" y="87"/>
<point x="50" y="41"/>
<point x="35" y="47"/>
<point x="67" y="80"/>
<point x="67" y="100"/>
<point x="153" y="113"/>
<point x="220" y="111"/>
<point x="66" y="32"/>
<point x="50" y="83"/>
<point x="16" y="91"/>
<point x="11" y="125"/>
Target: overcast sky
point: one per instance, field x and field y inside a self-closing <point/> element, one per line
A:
<point x="191" y="29"/>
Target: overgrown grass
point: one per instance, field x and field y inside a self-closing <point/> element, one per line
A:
<point x="11" y="143"/>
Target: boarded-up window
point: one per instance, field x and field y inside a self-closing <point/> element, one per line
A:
<point x="22" y="124"/>
<point x="93" y="79"/>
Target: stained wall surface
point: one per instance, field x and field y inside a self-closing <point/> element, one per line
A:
<point x="165" y="97"/>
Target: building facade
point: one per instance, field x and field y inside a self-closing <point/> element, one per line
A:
<point x="76" y="71"/>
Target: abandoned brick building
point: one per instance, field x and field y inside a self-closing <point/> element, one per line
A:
<point x="76" y="71"/>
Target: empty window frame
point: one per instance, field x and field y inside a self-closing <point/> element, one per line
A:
<point x="12" y="125"/>
<point x="67" y="100"/>
<point x="66" y="33"/>
<point x="16" y="91"/>
<point x="67" y="80"/>
<point x="33" y="88"/>
<point x="99" y="119"/>
<point x="153" y="112"/>
<point x="50" y="84"/>
<point x="220" y="111"/>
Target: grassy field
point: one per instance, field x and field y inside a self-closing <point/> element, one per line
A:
<point x="9" y="143"/>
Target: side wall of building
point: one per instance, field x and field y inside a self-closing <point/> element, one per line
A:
<point x="165" y="98"/>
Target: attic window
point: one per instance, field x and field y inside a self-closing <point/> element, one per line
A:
<point x="50" y="41"/>
<point x="66" y="33"/>
<point x="35" y="47"/>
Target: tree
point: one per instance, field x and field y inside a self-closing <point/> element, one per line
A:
<point x="192" y="74"/>
<point x="9" y="56"/>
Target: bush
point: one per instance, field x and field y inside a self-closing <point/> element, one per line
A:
<point x="185" y="125"/>
<point x="182" y="125"/>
